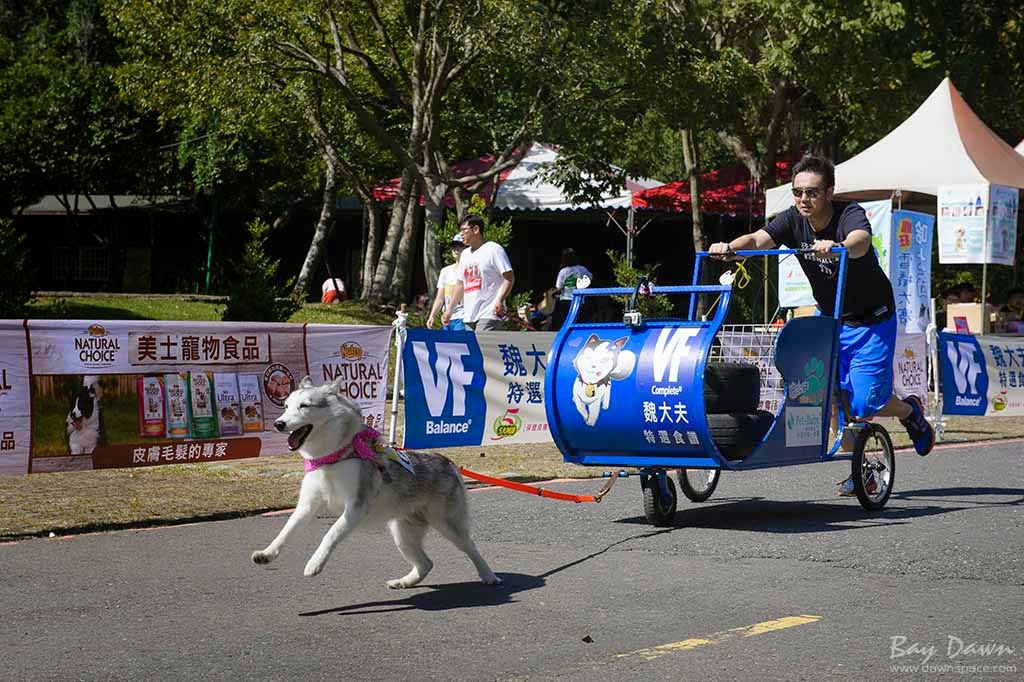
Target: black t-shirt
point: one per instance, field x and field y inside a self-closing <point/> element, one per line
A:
<point x="868" y="298"/>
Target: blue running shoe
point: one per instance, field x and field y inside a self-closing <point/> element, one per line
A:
<point x="920" y="431"/>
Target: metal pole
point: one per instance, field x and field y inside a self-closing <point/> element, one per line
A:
<point x="629" y="236"/>
<point x="401" y="319"/>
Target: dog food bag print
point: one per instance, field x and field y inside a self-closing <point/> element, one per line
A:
<point x="176" y="393"/>
<point x="251" y="401"/>
<point x="201" y="405"/>
<point x="152" y="421"/>
<point x="229" y="413"/>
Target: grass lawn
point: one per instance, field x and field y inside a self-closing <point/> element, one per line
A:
<point x="181" y="308"/>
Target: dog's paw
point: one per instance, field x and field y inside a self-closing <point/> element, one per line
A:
<point x="313" y="567"/>
<point x="491" y="580"/>
<point x="261" y="557"/>
<point x="397" y="584"/>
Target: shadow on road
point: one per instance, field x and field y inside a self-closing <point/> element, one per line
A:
<point x="770" y="516"/>
<point x="465" y="595"/>
<point x="955" y="495"/>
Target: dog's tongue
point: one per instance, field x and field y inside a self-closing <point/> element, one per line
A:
<point x="296" y="437"/>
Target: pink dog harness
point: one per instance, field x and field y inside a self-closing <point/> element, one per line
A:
<point x="360" y="448"/>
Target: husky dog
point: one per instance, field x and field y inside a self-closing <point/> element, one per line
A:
<point x="370" y="487"/>
<point x="597" y="363"/>
<point x="84" y="423"/>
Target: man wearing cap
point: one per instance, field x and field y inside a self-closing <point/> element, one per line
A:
<point x="485" y="278"/>
<point x="446" y="283"/>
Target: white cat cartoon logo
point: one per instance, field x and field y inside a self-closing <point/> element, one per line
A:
<point x="597" y="363"/>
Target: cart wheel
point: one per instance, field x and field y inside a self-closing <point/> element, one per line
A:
<point x="698" y="484"/>
<point x="874" y="467"/>
<point x="659" y="510"/>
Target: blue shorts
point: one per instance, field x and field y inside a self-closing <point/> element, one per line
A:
<point x="865" y="366"/>
<point x="454" y="326"/>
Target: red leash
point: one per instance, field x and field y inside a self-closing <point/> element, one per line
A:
<point x="540" y="492"/>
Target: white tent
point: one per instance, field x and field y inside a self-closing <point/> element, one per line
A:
<point x="1020" y="147"/>
<point x="523" y="189"/>
<point x="942" y="143"/>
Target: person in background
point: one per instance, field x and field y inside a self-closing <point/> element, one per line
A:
<point x="968" y="294"/>
<point x="333" y="291"/>
<point x="447" y="280"/>
<point x="485" y="279"/>
<point x="565" y="284"/>
<point x="1014" y="306"/>
<point x="950" y="295"/>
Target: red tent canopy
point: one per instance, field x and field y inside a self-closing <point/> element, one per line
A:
<point x="730" y="191"/>
<point x="387" y="191"/>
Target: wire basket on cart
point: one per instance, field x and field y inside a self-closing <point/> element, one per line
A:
<point x="752" y="344"/>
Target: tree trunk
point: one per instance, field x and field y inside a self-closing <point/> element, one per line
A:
<point x="399" y="290"/>
<point x="384" y="271"/>
<point x="323" y="228"/>
<point x="372" y="252"/>
<point x="691" y="166"/>
<point x="433" y="221"/>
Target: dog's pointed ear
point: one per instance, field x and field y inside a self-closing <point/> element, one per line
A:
<point x="306" y="382"/>
<point x="593" y="340"/>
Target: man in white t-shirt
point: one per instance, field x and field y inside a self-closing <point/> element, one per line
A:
<point x="485" y="279"/>
<point x="446" y="283"/>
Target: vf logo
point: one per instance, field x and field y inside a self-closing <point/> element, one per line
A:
<point x="966" y="367"/>
<point x="446" y="375"/>
<point x="669" y="350"/>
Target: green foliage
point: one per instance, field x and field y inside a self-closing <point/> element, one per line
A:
<point x="658" y="305"/>
<point x="256" y="297"/>
<point x="494" y="231"/>
<point x="14" y="276"/>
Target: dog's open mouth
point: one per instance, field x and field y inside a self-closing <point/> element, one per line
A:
<point x="76" y="423"/>
<point x="297" y="437"/>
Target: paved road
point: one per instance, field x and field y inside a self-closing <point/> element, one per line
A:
<point x="773" y="579"/>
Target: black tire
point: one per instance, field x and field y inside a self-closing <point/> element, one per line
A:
<point x="659" y="511"/>
<point x="698" y="484"/>
<point x="731" y="387"/>
<point x="736" y="435"/>
<point x="880" y="463"/>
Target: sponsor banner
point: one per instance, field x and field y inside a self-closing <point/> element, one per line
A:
<point x="142" y="393"/>
<point x="356" y="358"/>
<point x="795" y="290"/>
<point x="911" y="269"/>
<point x="977" y="224"/>
<point x="981" y="375"/>
<point x="910" y="373"/>
<point x="1002" y="220"/>
<point x="463" y="388"/>
<point x="15" y="403"/>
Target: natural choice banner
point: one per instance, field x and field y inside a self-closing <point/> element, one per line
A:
<point x="77" y="394"/>
<point x="463" y="388"/>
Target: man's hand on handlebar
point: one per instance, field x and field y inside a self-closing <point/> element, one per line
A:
<point x="721" y="251"/>
<point x="822" y="248"/>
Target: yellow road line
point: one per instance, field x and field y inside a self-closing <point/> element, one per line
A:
<point x="719" y="637"/>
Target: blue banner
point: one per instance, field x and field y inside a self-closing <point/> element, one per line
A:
<point x="911" y="273"/>
<point x="444" y="389"/>
<point x="964" y="375"/>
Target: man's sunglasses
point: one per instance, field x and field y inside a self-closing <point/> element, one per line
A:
<point x="809" y="192"/>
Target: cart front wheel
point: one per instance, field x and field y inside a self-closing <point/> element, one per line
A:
<point x="874" y="467"/>
<point x="698" y="484"/>
<point x="659" y="507"/>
